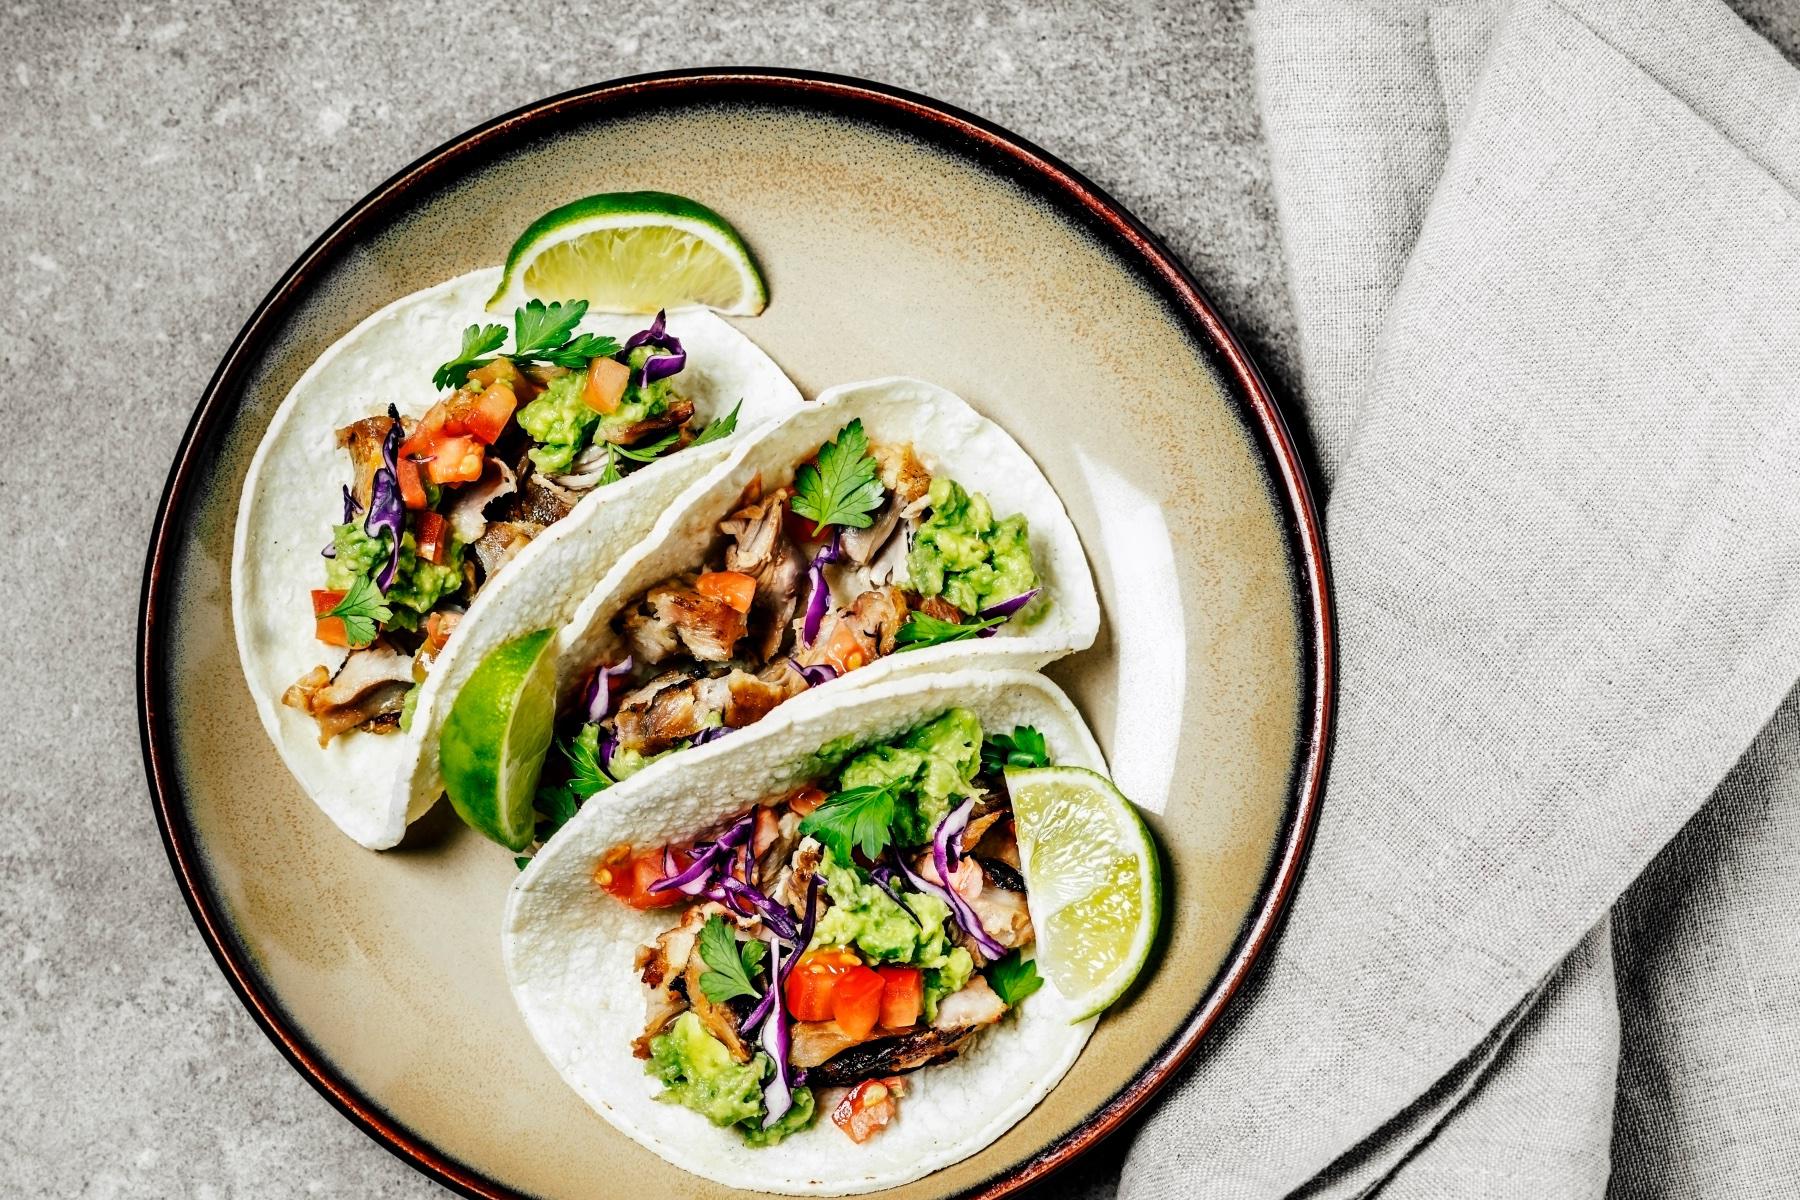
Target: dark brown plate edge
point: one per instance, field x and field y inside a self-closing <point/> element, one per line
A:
<point x="1035" y="170"/>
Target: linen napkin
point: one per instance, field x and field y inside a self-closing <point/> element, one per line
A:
<point x="1545" y="260"/>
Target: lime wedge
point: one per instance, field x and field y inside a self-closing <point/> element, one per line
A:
<point x="493" y="744"/>
<point x="634" y="252"/>
<point x="1093" y="879"/>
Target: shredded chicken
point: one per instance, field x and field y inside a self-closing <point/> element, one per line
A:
<point x="468" y="516"/>
<point x="367" y="692"/>
<point x="901" y="472"/>
<point x="364" y="439"/>
<point x="760" y="548"/>
<point x="873" y="619"/>
<point x="706" y="625"/>
<point x="661" y="964"/>
<point x="772" y="858"/>
<point x="813" y="1042"/>
<point x="753" y="697"/>
<point x="501" y="542"/>
<point x="651" y="638"/>
<point x="668" y="708"/>
<point x="972" y="1007"/>
<point x="674" y="417"/>
<point x="791" y="886"/>
<point x="542" y="501"/>
<point x="863" y="544"/>
<point x="717" y="1019"/>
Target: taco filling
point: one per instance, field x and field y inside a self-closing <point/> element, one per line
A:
<point x="832" y="940"/>
<point x="862" y="554"/>
<point x="437" y="505"/>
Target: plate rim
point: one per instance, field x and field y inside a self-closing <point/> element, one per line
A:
<point x="1033" y="169"/>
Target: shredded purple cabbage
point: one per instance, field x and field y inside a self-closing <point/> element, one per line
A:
<point x="603" y="688"/>
<point x="1005" y="608"/>
<point x="386" y="512"/>
<point x="883" y="878"/>
<point x="711" y="733"/>
<point x="802" y="939"/>
<point x="940" y="857"/>
<point x="657" y="366"/>
<point x="816" y="674"/>
<point x="820" y="599"/>
<point x="351" y="507"/>
<point x="697" y="877"/>
<point x="778" y="1093"/>
<point x="775" y="915"/>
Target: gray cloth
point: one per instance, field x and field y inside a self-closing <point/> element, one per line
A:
<point x="1545" y="261"/>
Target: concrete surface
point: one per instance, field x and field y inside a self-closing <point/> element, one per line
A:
<point x="163" y="164"/>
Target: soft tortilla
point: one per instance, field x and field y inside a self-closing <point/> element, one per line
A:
<point x="373" y="785"/>
<point x="568" y="948"/>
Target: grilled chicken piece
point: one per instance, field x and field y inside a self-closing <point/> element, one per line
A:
<point x="1000" y="875"/>
<point x="761" y="549"/>
<point x="501" y="542"/>
<point x="674" y="417"/>
<point x="874" y="618"/>
<point x="863" y="544"/>
<point x="1003" y="914"/>
<point x="542" y="501"/>
<point x="662" y="965"/>
<point x="752" y="697"/>
<point x="901" y="472"/>
<point x="791" y="885"/>
<point x="368" y="691"/>
<point x="887" y="1056"/>
<point x="717" y="1019"/>
<point x="942" y="609"/>
<point x="363" y="439"/>
<point x="468" y="516"/>
<point x="814" y="1042"/>
<point x="772" y="858"/>
<point x="651" y="638"/>
<point x="668" y="708"/>
<point x="707" y="626"/>
<point x="972" y="1007"/>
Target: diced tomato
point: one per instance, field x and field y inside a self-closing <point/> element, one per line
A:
<point x="324" y="601"/>
<point x="432" y="533"/>
<point x="867" y="1108"/>
<point x="844" y="650"/>
<point x="627" y="876"/>
<point x="455" y="460"/>
<point x="856" y="1002"/>
<point x="331" y="631"/>
<point x="406" y="471"/>
<point x="502" y="370"/>
<point x="605" y="387"/>
<point x="733" y="587"/>
<point x="902" y="996"/>
<point x="811" y="986"/>
<point x="485" y="416"/>
<point x="801" y="801"/>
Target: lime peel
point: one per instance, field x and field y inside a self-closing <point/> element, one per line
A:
<point x="494" y="741"/>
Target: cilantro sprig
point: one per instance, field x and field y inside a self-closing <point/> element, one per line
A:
<point x="730" y="964"/>
<point x="720" y="427"/>
<point x="842" y="488"/>
<point x="541" y="333"/>
<point x="362" y="610"/>
<point x="861" y="818"/>
<point x="1013" y="978"/>
<point x="922" y="629"/>
<point x="1023" y="747"/>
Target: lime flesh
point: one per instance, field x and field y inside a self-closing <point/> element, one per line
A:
<point x="494" y="741"/>
<point x="1093" y="879"/>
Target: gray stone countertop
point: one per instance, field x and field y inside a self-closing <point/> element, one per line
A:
<point x="163" y="164"/>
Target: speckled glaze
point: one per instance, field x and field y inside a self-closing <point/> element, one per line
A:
<point x="898" y="238"/>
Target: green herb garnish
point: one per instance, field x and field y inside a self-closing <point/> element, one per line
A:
<point x="921" y="630"/>
<point x="541" y="332"/>
<point x="1013" y="978"/>
<point x="539" y="328"/>
<point x="842" y="487"/>
<point x="644" y="454"/>
<point x="477" y="340"/>
<point x="1024" y="747"/>
<point x="861" y="818"/>
<point x="722" y="427"/>
<point x="362" y="610"/>
<point x="730" y="964"/>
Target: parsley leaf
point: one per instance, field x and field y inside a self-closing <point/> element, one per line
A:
<point x="1024" y="747"/>
<point x="729" y="964"/>
<point x="362" y="610"/>
<point x="723" y="427"/>
<point x="539" y="328"/>
<point x="586" y="775"/>
<point x="1013" y="978"/>
<point x="611" y="474"/>
<point x="861" y="818"/>
<point x="841" y="488"/>
<point x="576" y="354"/>
<point x="477" y="340"/>
<point x="922" y="629"/>
<point x="644" y="454"/>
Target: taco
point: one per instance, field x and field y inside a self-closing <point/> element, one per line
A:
<point x="883" y="529"/>
<point x="801" y="960"/>
<point x="404" y="514"/>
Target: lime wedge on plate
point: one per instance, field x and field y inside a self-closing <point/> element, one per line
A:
<point x="494" y="741"/>
<point x="634" y="252"/>
<point x="1093" y="879"/>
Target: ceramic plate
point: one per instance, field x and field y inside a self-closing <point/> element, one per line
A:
<point x="898" y="236"/>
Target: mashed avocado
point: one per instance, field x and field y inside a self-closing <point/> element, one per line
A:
<point x="947" y="980"/>
<point x="418" y="584"/>
<point x="562" y="424"/>
<point x="626" y="763"/>
<point x="962" y="554"/>
<point x="697" y="1072"/>
<point x="863" y="914"/>
<point x="937" y="761"/>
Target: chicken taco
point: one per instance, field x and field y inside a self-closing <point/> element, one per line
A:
<point x="416" y="503"/>
<point x="884" y="529"/>
<point x="803" y="961"/>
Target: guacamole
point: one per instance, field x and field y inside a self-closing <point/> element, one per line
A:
<point x="863" y="914"/>
<point x="562" y="424"/>
<point x="937" y="761"/>
<point x="697" y="1072"/>
<point x="962" y="554"/>
<point x="418" y="584"/>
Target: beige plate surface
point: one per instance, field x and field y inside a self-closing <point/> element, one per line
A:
<point x="897" y="238"/>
